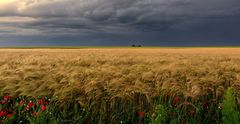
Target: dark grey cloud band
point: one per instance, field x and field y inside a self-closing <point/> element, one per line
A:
<point x="124" y="20"/>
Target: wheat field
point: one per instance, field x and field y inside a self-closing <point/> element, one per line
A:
<point x="86" y="73"/>
<point x="93" y="76"/>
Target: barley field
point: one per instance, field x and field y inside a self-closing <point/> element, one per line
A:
<point x="121" y="81"/>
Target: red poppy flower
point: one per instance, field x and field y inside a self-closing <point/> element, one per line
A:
<point x="140" y="114"/>
<point x="9" y="115"/>
<point x="46" y="103"/>
<point x="11" y="111"/>
<point x="191" y="112"/>
<point x="7" y="97"/>
<point x="176" y="100"/>
<point x="3" y="113"/>
<point x="3" y="102"/>
<point x="43" y="108"/>
<point x="30" y="104"/>
<point x="40" y="101"/>
<point x="21" y="102"/>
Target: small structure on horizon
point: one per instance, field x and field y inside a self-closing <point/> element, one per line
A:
<point x="136" y="45"/>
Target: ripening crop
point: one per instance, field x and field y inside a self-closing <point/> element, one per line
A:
<point x="109" y="80"/>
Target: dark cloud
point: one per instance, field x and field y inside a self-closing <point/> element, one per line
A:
<point x="124" y="20"/>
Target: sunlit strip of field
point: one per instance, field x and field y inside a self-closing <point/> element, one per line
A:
<point x="130" y="50"/>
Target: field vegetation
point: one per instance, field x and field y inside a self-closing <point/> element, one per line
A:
<point x="130" y="85"/>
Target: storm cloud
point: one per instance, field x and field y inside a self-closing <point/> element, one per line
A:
<point x="116" y="21"/>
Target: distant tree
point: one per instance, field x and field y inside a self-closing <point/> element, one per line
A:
<point x="133" y="45"/>
<point x="139" y="45"/>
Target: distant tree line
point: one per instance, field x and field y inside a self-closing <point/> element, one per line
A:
<point x="136" y="45"/>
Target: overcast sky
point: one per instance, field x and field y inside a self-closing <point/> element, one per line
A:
<point x="119" y="22"/>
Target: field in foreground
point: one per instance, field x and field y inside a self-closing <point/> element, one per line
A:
<point x="113" y="84"/>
